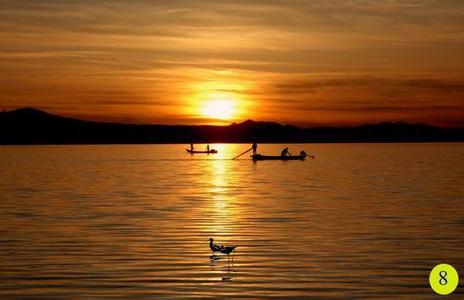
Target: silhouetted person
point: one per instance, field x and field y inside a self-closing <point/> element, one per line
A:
<point x="303" y="153"/>
<point x="285" y="152"/>
<point x="207" y="148"/>
<point x="191" y="147"/>
<point x="255" y="148"/>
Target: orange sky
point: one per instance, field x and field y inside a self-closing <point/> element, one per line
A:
<point x="188" y="62"/>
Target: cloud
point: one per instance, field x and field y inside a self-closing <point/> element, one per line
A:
<point x="343" y="55"/>
<point x="380" y="84"/>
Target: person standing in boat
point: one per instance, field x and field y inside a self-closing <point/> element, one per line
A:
<point x="207" y="148"/>
<point x="285" y="152"/>
<point x="191" y="147"/>
<point x="255" y="148"/>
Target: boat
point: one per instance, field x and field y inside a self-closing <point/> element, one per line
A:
<point x="278" y="157"/>
<point x="212" y="151"/>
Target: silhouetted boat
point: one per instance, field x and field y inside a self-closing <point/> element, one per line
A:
<point x="212" y="151"/>
<point x="277" y="157"/>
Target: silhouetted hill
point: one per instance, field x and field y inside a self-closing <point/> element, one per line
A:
<point x="32" y="126"/>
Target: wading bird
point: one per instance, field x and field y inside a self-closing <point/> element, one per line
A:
<point x="223" y="249"/>
<point x="228" y="249"/>
<point x="213" y="247"/>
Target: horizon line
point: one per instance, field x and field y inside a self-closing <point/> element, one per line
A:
<point x="228" y="124"/>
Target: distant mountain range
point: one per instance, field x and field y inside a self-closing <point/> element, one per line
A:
<point x="32" y="126"/>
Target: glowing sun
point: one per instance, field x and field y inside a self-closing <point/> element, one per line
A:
<point x="217" y="102"/>
<point x="218" y="109"/>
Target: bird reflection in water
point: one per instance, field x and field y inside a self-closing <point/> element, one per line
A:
<point x="226" y="268"/>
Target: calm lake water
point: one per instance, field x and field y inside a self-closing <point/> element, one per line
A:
<point x="359" y="221"/>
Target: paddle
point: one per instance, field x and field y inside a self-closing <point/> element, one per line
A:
<point x="242" y="153"/>
<point x="311" y="156"/>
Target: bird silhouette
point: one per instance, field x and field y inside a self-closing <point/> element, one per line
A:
<point x="213" y="247"/>
<point x="227" y="249"/>
<point x="221" y="248"/>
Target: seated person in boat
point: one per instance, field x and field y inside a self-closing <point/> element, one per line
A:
<point x="303" y="153"/>
<point x="285" y="152"/>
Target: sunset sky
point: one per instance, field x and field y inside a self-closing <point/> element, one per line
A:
<point x="332" y="62"/>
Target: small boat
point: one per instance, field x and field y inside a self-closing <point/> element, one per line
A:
<point x="212" y="151"/>
<point x="278" y="157"/>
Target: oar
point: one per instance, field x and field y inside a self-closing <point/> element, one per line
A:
<point x="242" y="153"/>
<point x="311" y="156"/>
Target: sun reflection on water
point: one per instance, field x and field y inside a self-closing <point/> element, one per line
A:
<point x="222" y="210"/>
